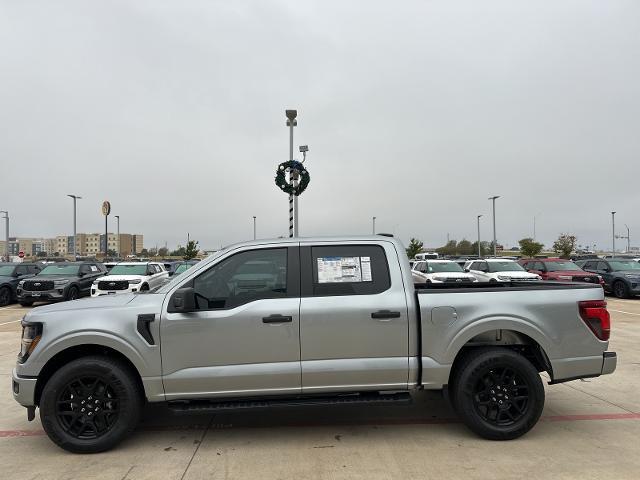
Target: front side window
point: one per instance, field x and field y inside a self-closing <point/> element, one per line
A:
<point x="6" y="270"/>
<point x="243" y="278"/>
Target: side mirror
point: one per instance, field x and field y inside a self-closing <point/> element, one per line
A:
<point x="466" y="270"/>
<point x="183" y="300"/>
<point x="82" y="274"/>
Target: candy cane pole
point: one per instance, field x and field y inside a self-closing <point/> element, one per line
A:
<point x="293" y="174"/>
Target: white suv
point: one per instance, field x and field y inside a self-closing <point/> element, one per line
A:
<point x="440" y="271"/>
<point x="130" y="277"/>
<point x="499" y="270"/>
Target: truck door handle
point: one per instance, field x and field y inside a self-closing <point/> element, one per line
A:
<point x="380" y="314"/>
<point x="277" y="319"/>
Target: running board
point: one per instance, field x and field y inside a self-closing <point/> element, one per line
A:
<point x="197" y="406"/>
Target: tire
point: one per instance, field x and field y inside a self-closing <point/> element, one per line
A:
<point x="620" y="289"/>
<point x="113" y="393"/>
<point x="5" y="296"/>
<point x="73" y="293"/>
<point x="497" y="393"/>
<point x="144" y="288"/>
<point x="26" y="303"/>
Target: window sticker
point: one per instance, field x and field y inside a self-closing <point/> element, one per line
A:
<point x="344" y="269"/>
<point x="94" y="268"/>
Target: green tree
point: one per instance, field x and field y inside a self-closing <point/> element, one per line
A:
<point x="564" y="245"/>
<point x="163" y="251"/>
<point x="448" y="249"/>
<point x="179" y="252"/>
<point x="529" y="247"/>
<point x="191" y="251"/>
<point x="144" y="252"/>
<point x="465" y="247"/>
<point x="415" y="247"/>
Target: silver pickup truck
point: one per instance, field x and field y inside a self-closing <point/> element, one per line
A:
<point x="306" y="322"/>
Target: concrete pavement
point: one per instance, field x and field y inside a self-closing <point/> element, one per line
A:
<point x="590" y="429"/>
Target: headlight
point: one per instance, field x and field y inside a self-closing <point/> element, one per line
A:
<point x="21" y="283"/>
<point x="31" y="334"/>
<point x="632" y="276"/>
<point x="538" y="277"/>
<point x="504" y="278"/>
<point x="134" y="282"/>
<point x="439" y="279"/>
<point x="59" y="283"/>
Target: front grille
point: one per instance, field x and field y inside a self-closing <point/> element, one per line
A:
<point x="38" y="286"/>
<point x="585" y="278"/>
<point x="115" y="285"/>
<point x="522" y="279"/>
<point x="457" y="280"/>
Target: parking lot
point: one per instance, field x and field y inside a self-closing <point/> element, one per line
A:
<point x="589" y="429"/>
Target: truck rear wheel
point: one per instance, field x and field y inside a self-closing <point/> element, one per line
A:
<point x="498" y="393"/>
<point x="90" y="404"/>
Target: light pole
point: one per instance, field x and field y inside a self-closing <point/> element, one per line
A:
<point x="479" y="251"/>
<point x="613" y="234"/>
<point x="254" y="227"/>
<point x="373" y="220"/>
<point x="75" y="237"/>
<point x="6" y="247"/>
<point x="118" y="234"/>
<point x="493" y="199"/>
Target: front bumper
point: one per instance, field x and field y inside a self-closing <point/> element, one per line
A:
<point x="24" y="389"/>
<point x="96" y="292"/>
<point x="48" y="295"/>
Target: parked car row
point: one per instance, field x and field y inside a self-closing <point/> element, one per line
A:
<point x="27" y="283"/>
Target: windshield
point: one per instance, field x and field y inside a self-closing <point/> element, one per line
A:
<point x="129" y="269"/>
<point x="6" y="270"/>
<point x="182" y="268"/>
<point x="562" y="266"/>
<point x="444" y="267"/>
<point x="60" y="270"/>
<point x="506" y="266"/>
<point x="618" y="265"/>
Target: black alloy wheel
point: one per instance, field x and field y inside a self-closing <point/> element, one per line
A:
<point x="501" y="396"/>
<point x="5" y="296"/>
<point x="73" y="293"/>
<point x="620" y="289"/>
<point x="497" y="392"/>
<point x="91" y="404"/>
<point x="87" y="407"/>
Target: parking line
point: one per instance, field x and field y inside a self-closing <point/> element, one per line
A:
<point x="398" y="421"/>
<point x="12" y="321"/>
<point x="626" y="313"/>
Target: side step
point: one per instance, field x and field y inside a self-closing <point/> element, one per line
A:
<point x="197" y="406"/>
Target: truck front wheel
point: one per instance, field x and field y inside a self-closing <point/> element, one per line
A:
<point x="90" y="404"/>
<point x="498" y="393"/>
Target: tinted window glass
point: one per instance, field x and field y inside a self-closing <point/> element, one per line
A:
<point x="243" y="278"/>
<point x="602" y="266"/>
<point x="349" y="270"/>
<point x="22" y="270"/>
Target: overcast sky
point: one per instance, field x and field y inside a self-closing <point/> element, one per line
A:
<point x="414" y="111"/>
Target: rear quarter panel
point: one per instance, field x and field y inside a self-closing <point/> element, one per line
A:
<point x="549" y="316"/>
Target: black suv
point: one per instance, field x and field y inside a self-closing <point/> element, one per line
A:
<point x="10" y="275"/>
<point x="60" y="282"/>
<point x="621" y="275"/>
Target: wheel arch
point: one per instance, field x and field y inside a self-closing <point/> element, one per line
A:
<point x="78" y="351"/>
<point x="511" y="338"/>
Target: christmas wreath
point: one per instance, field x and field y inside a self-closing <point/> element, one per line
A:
<point x="284" y="185"/>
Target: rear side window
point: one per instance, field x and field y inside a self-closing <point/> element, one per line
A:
<point x="348" y="270"/>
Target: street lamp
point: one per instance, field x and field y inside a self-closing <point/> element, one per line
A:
<point x="75" y="239"/>
<point x="373" y="219"/>
<point x="118" y="234"/>
<point x="613" y="234"/>
<point x="254" y="227"/>
<point x="479" y="251"/>
<point x="493" y="199"/>
<point x="6" y="247"/>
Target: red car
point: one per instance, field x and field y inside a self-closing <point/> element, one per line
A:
<point x="559" y="269"/>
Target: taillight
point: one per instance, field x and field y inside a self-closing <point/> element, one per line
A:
<point x="594" y="313"/>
